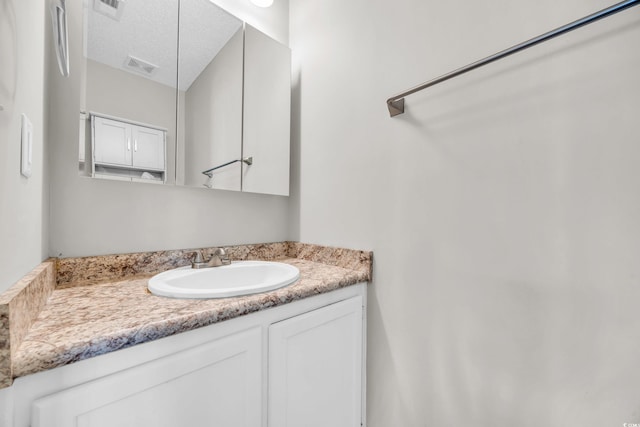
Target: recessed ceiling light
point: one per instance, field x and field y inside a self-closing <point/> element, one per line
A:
<point x="262" y="3"/>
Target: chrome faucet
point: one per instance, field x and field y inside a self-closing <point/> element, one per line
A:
<point x="218" y="258"/>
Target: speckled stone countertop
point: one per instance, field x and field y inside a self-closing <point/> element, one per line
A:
<point x="94" y="314"/>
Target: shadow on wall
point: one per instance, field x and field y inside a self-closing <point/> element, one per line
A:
<point x="382" y="401"/>
<point x="8" y="53"/>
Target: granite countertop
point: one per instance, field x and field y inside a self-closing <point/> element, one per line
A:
<point x="83" y="318"/>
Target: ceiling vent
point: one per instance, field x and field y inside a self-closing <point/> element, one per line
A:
<point x="111" y="8"/>
<point x="139" y="66"/>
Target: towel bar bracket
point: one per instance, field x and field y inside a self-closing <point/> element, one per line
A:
<point x="395" y="107"/>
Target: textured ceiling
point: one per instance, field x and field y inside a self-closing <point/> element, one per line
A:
<point x="148" y="30"/>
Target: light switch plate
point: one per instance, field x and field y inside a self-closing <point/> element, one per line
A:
<point x="27" y="146"/>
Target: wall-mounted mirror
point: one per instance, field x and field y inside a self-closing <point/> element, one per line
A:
<point x="188" y="105"/>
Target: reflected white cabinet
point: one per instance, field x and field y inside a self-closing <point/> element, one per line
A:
<point x="111" y="142"/>
<point x="217" y="383"/>
<point x="148" y="148"/>
<point x="124" y="150"/>
<point x="315" y="368"/>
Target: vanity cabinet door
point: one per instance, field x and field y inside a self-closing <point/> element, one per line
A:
<point x="315" y="368"/>
<point x="148" y="148"/>
<point x="218" y="383"/>
<point x="111" y="142"/>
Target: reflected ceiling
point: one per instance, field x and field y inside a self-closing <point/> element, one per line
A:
<point x="147" y="31"/>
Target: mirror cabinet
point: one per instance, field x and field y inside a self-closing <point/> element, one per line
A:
<point x="182" y="92"/>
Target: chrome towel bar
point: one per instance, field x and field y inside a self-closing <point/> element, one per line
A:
<point x="395" y="104"/>
<point x="247" y="160"/>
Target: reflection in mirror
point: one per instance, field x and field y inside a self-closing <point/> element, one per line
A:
<point x="210" y="101"/>
<point x="189" y="105"/>
<point x="128" y="108"/>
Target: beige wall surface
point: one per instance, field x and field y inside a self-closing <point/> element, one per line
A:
<point x="23" y="202"/>
<point x="503" y="207"/>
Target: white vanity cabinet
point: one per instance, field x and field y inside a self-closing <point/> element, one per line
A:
<point x="299" y="364"/>
<point x="315" y="375"/>
<point x="219" y="382"/>
<point x="124" y="150"/>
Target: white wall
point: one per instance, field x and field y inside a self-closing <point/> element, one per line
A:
<point x="98" y="217"/>
<point x="23" y="206"/>
<point x="503" y="208"/>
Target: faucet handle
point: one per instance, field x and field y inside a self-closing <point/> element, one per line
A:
<point x="198" y="260"/>
<point x="222" y="255"/>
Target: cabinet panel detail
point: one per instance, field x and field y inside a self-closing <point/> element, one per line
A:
<point x="216" y="383"/>
<point x="148" y="148"/>
<point x="112" y="142"/>
<point x="315" y="368"/>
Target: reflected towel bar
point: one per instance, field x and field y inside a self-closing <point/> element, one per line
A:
<point x="395" y="104"/>
<point x="247" y="160"/>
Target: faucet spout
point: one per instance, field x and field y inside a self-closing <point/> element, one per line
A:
<point x="198" y="260"/>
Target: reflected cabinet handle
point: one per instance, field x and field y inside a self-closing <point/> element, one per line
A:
<point x="128" y="144"/>
<point x="247" y="160"/>
<point x="135" y="145"/>
<point x="60" y="38"/>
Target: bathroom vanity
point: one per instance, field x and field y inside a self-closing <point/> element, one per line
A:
<point x="272" y="368"/>
<point x="291" y="357"/>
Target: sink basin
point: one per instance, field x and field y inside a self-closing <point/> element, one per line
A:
<point x="238" y="278"/>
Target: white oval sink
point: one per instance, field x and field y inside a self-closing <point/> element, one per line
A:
<point x="238" y="278"/>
